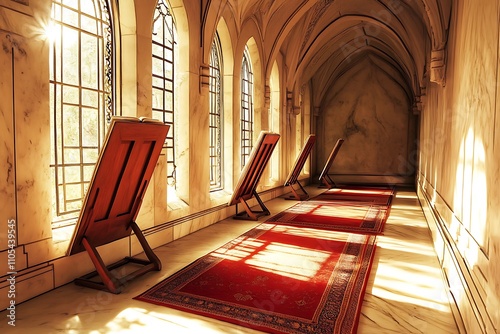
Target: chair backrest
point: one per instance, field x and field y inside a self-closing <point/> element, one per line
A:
<point x="121" y="176"/>
<point x="330" y="159"/>
<point x="301" y="160"/>
<point x="259" y="157"/>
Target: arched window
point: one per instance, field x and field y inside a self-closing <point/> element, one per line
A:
<point x="215" y="123"/>
<point x="164" y="42"/>
<point x="81" y="97"/>
<point x="246" y="107"/>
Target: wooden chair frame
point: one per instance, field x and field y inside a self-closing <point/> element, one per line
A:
<point x="112" y="202"/>
<point x="250" y="177"/>
<point x="324" y="178"/>
<point x="297" y="168"/>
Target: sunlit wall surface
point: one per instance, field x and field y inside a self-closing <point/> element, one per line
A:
<point x="459" y="159"/>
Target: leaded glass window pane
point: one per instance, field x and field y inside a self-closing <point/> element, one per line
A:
<point x="81" y="81"/>
<point x="215" y="124"/>
<point x="246" y="108"/>
<point x="164" y="42"/>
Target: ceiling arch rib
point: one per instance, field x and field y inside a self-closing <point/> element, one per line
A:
<point x="349" y="35"/>
<point x="340" y="57"/>
<point x="324" y="79"/>
<point x="292" y="27"/>
<point x="438" y="13"/>
<point x="402" y="20"/>
<point x="435" y="17"/>
<point x="281" y="27"/>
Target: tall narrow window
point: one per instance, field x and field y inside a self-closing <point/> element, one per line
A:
<point x="215" y="116"/>
<point x="246" y="107"/>
<point x="81" y="88"/>
<point x="164" y="41"/>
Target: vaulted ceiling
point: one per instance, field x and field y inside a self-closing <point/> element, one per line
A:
<point x="322" y="39"/>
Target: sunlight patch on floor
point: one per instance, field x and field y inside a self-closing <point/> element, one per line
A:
<point x="289" y="261"/>
<point x="391" y="285"/>
<point x="139" y="320"/>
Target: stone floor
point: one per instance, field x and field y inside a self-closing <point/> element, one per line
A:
<point x="405" y="292"/>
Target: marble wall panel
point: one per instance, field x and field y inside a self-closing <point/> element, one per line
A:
<point x="45" y="250"/>
<point x="229" y="134"/>
<point x="115" y="250"/>
<point x="493" y="232"/>
<point x="31" y="91"/>
<point x="18" y="259"/>
<point x="198" y="153"/>
<point x="16" y="18"/>
<point x="139" y="36"/>
<point x="155" y="239"/>
<point x="456" y="277"/>
<point x="465" y="170"/>
<point x="425" y="146"/>
<point x="67" y="268"/>
<point x="486" y="201"/>
<point x="145" y="218"/>
<point x="160" y="190"/>
<point x="207" y="220"/>
<point x="476" y="58"/>
<point x="184" y="130"/>
<point x="27" y="285"/>
<point x="7" y="187"/>
<point x="461" y="295"/>
<point x="492" y="199"/>
<point x="129" y="84"/>
<point x="435" y="145"/>
<point x="28" y="85"/>
<point x="182" y="230"/>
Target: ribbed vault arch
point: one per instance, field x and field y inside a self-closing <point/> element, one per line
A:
<point x="309" y="33"/>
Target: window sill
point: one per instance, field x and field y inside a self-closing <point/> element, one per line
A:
<point x="176" y="204"/>
<point x="63" y="234"/>
<point x="220" y="197"/>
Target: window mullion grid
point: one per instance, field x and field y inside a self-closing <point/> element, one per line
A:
<point x="80" y="104"/>
<point x="66" y="181"/>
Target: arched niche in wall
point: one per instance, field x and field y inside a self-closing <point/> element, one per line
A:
<point x="368" y="107"/>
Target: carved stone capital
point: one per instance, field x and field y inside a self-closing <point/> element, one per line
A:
<point x="316" y="111"/>
<point x="204" y="76"/>
<point x="438" y="66"/>
<point x="267" y="96"/>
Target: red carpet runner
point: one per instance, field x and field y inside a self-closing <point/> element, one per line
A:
<point x="375" y="195"/>
<point x="299" y="272"/>
<point x="354" y="217"/>
<point x="353" y="209"/>
<point x="278" y="279"/>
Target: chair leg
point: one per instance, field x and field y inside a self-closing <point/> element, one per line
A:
<point x="249" y="213"/>
<point x="108" y="281"/>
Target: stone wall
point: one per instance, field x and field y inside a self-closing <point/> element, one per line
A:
<point x="368" y="109"/>
<point x="459" y="167"/>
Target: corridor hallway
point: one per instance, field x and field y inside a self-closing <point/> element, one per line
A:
<point x="405" y="292"/>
